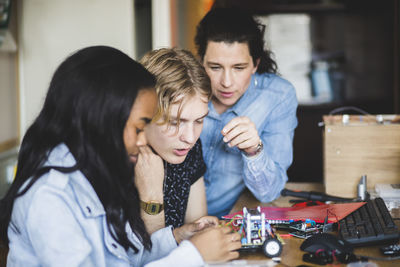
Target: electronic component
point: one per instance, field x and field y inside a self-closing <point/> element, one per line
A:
<point x="318" y="196"/>
<point x="362" y="188"/>
<point x="256" y="232"/>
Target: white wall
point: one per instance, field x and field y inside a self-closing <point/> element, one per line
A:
<point x="161" y="23"/>
<point x="50" y="30"/>
<point x="288" y="37"/>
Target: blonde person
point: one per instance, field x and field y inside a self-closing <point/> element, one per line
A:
<point x="172" y="174"/>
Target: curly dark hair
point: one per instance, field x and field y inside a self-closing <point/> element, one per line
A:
<point x="231" y="25"/>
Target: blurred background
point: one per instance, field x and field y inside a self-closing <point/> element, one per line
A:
<point x="335" y="52"/>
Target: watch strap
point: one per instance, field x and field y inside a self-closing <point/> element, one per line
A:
<point x="259" y="147"/>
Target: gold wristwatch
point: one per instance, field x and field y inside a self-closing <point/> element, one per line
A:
<point x="151" y="207"/>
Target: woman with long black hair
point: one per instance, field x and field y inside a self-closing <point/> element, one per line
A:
<point x="74" y="201"/>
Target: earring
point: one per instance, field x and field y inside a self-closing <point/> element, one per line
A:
<point x="255" y="82"/>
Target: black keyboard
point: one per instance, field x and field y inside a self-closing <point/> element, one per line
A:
<point x="371" y="224"/>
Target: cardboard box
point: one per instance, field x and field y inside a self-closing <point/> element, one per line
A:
<point x="357" y="145"/>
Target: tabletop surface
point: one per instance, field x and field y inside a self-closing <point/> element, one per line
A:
<point x="291" y="253"/>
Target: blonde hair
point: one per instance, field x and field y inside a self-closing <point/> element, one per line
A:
<point x="179" y="75"/>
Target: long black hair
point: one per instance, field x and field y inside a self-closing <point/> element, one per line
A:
<point x="87" y="106"/>
<point x="231" y="25"/>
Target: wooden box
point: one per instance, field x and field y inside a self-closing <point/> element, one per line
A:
<point x="357" y="145"/>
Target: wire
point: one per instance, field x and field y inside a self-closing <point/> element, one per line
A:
<point x="341" y="109"/>
<point x="379" y="258"/>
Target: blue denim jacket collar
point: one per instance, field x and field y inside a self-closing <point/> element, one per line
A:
<point x="88" y="199"/>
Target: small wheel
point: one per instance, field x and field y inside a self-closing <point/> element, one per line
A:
<point x="272" y="248"/>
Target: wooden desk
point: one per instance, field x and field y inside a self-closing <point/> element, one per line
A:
<point x="291" y="253"/>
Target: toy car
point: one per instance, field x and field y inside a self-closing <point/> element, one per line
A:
<point x="257" y="233"/>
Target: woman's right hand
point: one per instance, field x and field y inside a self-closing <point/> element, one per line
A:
<point x="217" y="244"/>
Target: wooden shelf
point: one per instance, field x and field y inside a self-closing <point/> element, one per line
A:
<point x="275" y="6"/>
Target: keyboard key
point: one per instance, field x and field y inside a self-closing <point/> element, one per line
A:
<point x="387" y="218"/>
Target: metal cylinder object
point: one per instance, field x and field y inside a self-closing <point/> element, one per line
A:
<point x="362" y="188"/>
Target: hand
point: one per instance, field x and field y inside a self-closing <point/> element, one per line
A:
<point x="242" y="133"/>
<point x="217" y="244"/>
<point x="186" y="231"/>
<point x="149" y="175"/>
<point x="207" y="221"/>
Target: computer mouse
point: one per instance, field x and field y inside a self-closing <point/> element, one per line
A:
<point x="325" y="242"/>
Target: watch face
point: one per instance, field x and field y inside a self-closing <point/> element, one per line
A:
<point x="152" y="208"/>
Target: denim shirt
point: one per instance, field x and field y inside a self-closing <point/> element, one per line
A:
<point x="270" y="102"/>
<point x="60" y="221"/>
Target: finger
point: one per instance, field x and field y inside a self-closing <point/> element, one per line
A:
<point x="250" y="143"/>
<point x="140" y="161"/>
<point x="213" y="221"/>
<point x="230" y="237"/>
<point x="233" y="123"/>
<point x="145" y="150"/>
<point x="246" y="131"/>
<point x="149" y="156"/>
<point x="198" y="226"/>
<point x="232" y="255"/>
<point x="233" y="246"/>
<point x="234" y="132"/>
<point x="225" y="229"/>
<point x="203" y="226"/>
<point x="235" y="236"/>
<point x="237" y="140"/>
<point x="209" y="220"/>
<point x="142" y="154"/>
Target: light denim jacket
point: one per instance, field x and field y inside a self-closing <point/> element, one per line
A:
<point x="61" y="222"/>
<point x="271" y="103"/>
